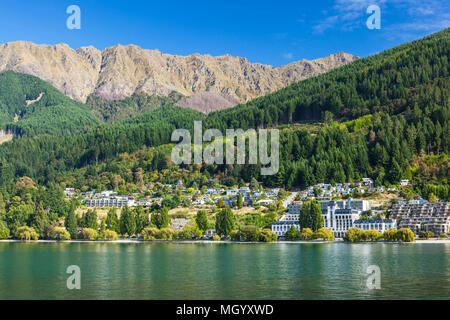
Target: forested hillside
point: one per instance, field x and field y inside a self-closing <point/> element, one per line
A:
<point x="389" y="110"/>
<point x="110" y="111"/>
<point x="393" y="81"/>
<point x="30" y="106"/>
<point x="45" y="157"/>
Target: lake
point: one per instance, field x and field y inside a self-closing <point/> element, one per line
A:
<point x="224" y="271"/>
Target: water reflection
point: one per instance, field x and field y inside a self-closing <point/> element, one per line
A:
<point x="224" y="271"/>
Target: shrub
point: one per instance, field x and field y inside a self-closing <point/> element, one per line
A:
<point x="372" y="235"/>
<point x="249" y="233"/>
<point x="235" y="235"/>
<point x="162" y="234"/>
<point x="166" y="234"/>
<point x="426" y="234"/>
<point x="150" y="233"/>
<point x="293" y="234"/>
<point x="390" y="235"/>
<point x="4" y="230"/>
<point x="89" y="234"/>
<point x="57" y="233"/>
<point x="190" y="231"/>
<point x="443" y="236"/>
<point x="324" y="234"/>
<point x="405" y="235"/>
<point x="26" y="233"/>
<point x="216" y="238"/>
<point x="110" y="235"/>
<point x="307" y="234"/>
<point x="354" y="235"/>
<point x="266" y="235"/>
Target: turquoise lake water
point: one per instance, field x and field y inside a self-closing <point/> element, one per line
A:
<point x="224" y="271"/>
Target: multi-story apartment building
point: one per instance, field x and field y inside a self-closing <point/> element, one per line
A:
<point x="339" y="220"/>
<point x="110" y="202"/>
<point x="281" y="227"/>
<point x="373" y="224"/>
<point x="295" y="207"/>
<point x="434" y="217"/>
<point x="360" y="205"/>
<point x="337" y="216"/>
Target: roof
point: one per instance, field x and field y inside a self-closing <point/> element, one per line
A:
<point x="375" y="221"/>
<point x="285" y="222"/>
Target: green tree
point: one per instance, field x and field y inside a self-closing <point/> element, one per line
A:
<point x="4" y="230"/>
<point x="89" y="234"/>
<point x="220" y="203"/>
<point x="26" y="233"/>
<point x="405" y="235"/>
<point x="426" y="234"/>
<point x="372" y="235"/>
<point x="266" y="235"/>
<point x="41" y="222"/>
<point x="307" y="234"/>
<point x="127" y="222"/>
<point x="112" y="220"/>
<point x="225" y="222"/>
<point x="390" y="235"/>
<point x="57" y="233"/>
<point x="254" y="185"/>
<point x="324" y="234"/>
<point x="240" y="201"/>
<point x="102" y="227"/>
<point x="293" y="234"/>
<point x="142" y="219"/>
<point x="395" y="173"/>
<point x="110" y="235"/>
<point x="91" y="219"/>
<point x="71" y="223"/>
<point x="354" y="235"/>
<point x="161" y="218"/>
<point x="311" y="215"/>
<point x="202" y="220"/>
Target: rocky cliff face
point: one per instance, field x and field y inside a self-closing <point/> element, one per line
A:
<point x="120" y="71"/>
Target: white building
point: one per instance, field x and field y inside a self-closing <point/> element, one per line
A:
<point x="372" y="224"/>
<point x="265" y="201"/>
<point x="338" y="216"/>
<point x="281" y="227"/>
<point x="244" y="190"/>
<point x="360" y="205"/>
<point x="404" y="182"/>
<point x="295" y="207"/>
<point x="110" y="202"/>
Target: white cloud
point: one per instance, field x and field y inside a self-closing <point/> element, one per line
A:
<point x="347" y="15"/>
<point x="288" y="56"/>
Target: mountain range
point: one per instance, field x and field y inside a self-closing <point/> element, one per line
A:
<point x="208" y="83"/>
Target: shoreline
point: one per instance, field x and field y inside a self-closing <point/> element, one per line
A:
<point x="435" y="241"/>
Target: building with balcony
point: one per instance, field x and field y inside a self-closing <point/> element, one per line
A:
<point x="434" y="217"/>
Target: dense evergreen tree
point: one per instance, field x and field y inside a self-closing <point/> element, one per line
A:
<point x="71" y="223"/>
<point x="202" y="220"/>
<point x="127" y="222"/>
<point x="311" y="215"/>
<point x="161" y="218"/>
<point x="112" y="221"/>
<point x="225" y="222"/>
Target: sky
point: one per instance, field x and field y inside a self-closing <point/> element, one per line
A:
<point x="271" y="32"/>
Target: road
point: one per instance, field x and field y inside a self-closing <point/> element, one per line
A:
<point x="289" y="199"/>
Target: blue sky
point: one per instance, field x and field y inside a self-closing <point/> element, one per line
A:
<point x="272" y="32"/>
